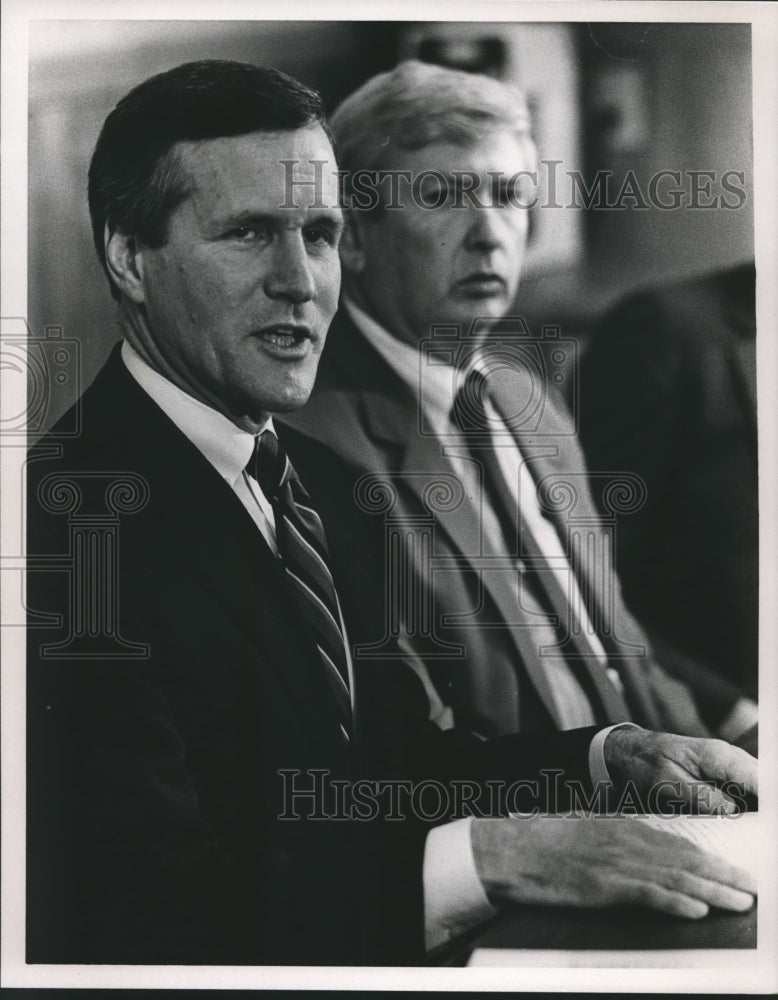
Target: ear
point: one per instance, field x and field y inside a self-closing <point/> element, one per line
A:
<point x="125" y="264"/>
<point x="352" y="251"/>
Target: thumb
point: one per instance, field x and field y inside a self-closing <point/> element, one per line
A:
<point x="726" y="764"/>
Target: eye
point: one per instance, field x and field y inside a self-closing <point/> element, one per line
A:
<point x="322" y="235"/>
<point x="519" y="191"/>
<point x="247" y="234"/>
<point x="434" y="190"/>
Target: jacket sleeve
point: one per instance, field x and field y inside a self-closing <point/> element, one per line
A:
<point x="126" y="861"/>
<point x="153" y="795"/>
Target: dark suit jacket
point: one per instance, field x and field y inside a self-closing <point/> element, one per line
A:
<point x="485" y="664"/>
<point x="668" y="390"/>
<point x="154" y="784"/>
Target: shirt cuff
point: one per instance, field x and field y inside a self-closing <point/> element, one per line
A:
<point x="454" y="898"/>
<point x="598" y="771"/>
<point x="744" y="716"/>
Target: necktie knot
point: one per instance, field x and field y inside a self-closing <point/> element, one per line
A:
<point x="269" y="465"/>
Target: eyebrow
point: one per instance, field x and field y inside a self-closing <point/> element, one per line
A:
<point x="328" y="217"/>
<point x="332" y="217"/>
<point x="489" y="177"/>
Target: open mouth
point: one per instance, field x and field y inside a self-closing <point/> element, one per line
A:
<point x="286" y="341"/>
<point x="285" y="337"/>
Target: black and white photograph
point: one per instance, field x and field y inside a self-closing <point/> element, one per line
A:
<point x="388" y="435"/>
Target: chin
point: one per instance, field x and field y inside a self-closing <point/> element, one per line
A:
<point x="288" y="402"/>
<point x="288" y="392"/>
<point x="483" y="310"/>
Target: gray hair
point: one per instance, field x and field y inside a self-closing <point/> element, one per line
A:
<point x="417" y="104"/>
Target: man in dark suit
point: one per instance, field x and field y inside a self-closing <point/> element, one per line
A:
<point x="207" y="773"/>
<point x="669" y="392"/>
<point x="431" y="267"/>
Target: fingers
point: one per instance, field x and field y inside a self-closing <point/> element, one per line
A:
<point x="658" y="897"/>
<point x="667" y="873"/>
<point x="681" y="894"/>
<point x="602" y="862"/>
<point x="706" y="775"/>
<point x="709" y="891"/>
<point x="729" y="773"/>
<point x="692" y="796"/>
<point x="701" y="863"/>
<point x="704" y="799"/>
<point x="722" y="762"/>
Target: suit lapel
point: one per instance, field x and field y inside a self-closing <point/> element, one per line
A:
<point x="463" y="529"/>
<point x="198" y="518"/>
<point x="389" y="412"/>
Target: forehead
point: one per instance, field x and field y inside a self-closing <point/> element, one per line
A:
<point x="266" y="170"/>
<point x="505" y="150"/>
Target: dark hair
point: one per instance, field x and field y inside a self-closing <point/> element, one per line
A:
<point x="135" y="182"/>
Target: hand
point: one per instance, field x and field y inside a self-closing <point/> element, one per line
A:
<point x="602" y="861"/>
<point x="706" y="776"/>
<point x="740" y="724"/>
<point x="749" y="740"/>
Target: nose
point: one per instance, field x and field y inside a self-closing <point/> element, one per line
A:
<point x="495" y="227"/>
<point x="486" y="229"/>
<point x="290" y="276"/>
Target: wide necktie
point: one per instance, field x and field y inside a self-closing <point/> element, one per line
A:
<point x="302" y="549"/>
<point x="469" y="415"/>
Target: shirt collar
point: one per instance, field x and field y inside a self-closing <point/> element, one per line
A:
<point x="404" y="360"/>
<point x="227" y="447"/>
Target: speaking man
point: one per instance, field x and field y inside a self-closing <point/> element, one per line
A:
<point x="197" y="729"/>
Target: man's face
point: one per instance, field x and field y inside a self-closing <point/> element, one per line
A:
<point x="239" y="299"/>
<point x="449" y="264"/>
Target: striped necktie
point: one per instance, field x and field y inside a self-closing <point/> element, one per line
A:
<point x="469" y="416"/>
<point x="302" y="549"/>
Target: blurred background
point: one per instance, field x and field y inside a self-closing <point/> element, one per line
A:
<point x="605" y="97"/>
